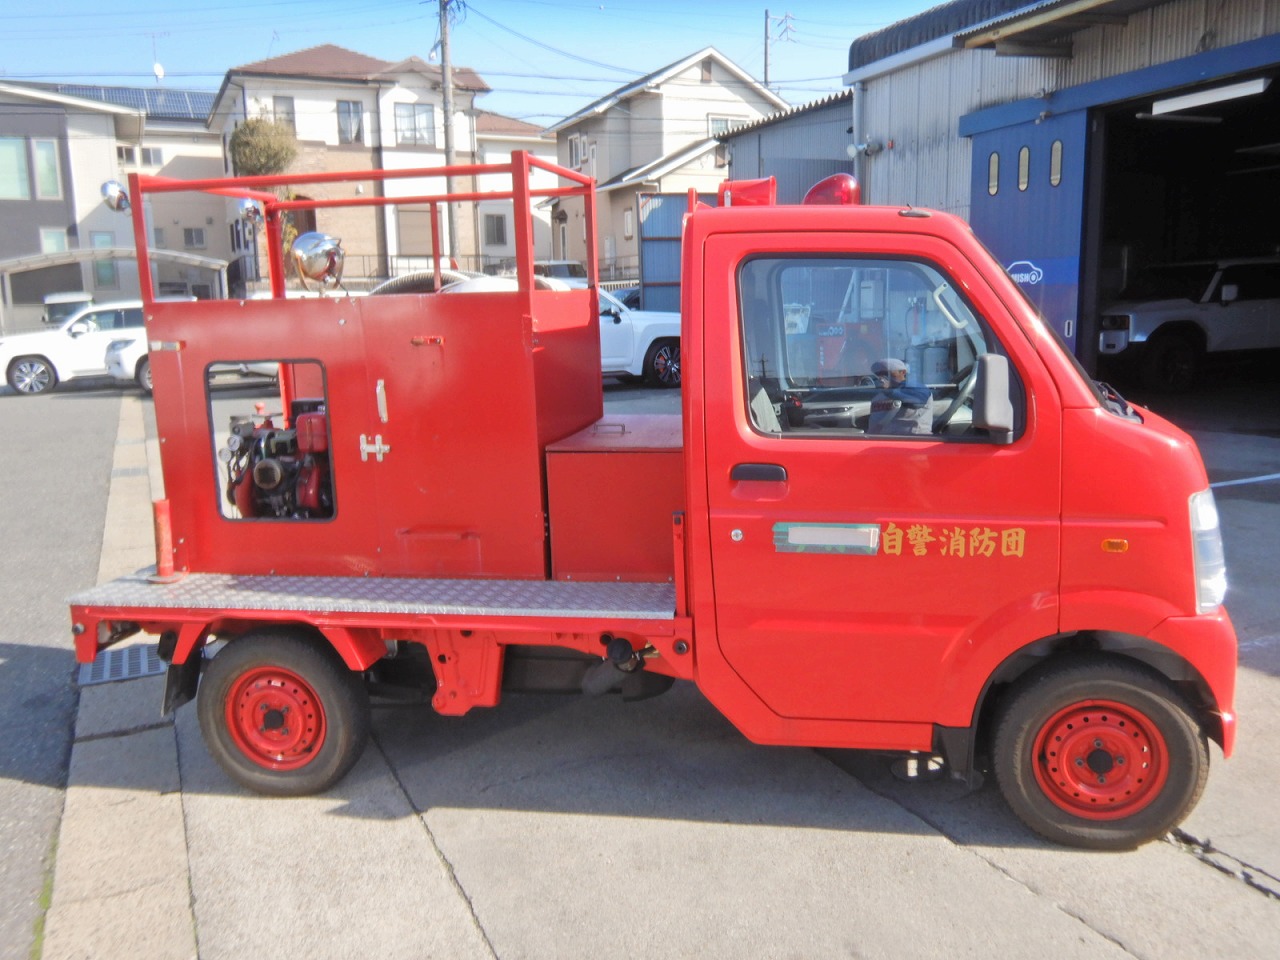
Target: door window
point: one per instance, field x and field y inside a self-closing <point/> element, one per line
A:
<point x="857" y="348"/>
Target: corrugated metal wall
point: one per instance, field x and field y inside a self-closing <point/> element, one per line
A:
<point x="918" y="107"/>
<point x="798" y="151"/>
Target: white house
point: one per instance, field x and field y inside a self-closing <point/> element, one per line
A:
<point x="352" y="112"/>
<point x="656" y="135"/>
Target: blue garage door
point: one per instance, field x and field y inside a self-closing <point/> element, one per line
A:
<point x="1027" y="207"/>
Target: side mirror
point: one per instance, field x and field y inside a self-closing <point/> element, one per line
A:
<point x="992" y="404"/>
<point x="1229" y="293"/>
<point x="79" y="328"/>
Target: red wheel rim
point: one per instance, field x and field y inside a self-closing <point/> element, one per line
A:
<point x="1100" y="760"/>
<point x="275" y="718"/>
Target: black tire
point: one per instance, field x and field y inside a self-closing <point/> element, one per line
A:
<point x="662" y="363"/>
<point x="276" y="675"/>
<point x="1171" y="363"/>
<point x="143" y="374"/>
<point x="31" y="375"/>
<point x="1100" y="753"/>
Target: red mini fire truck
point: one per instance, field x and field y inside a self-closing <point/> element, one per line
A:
<point x="893" y="515"/>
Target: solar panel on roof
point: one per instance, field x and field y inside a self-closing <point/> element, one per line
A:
<point x="158" y="104"/>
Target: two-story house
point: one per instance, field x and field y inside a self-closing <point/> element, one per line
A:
<point x="58" y="144"/>
<point x="656" y="135"/>
<point x="350" y="111"/>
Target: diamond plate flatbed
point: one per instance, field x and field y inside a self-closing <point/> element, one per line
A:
<point x="388" y="595"/>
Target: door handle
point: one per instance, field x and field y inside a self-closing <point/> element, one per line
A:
<point x="769" y="472"/>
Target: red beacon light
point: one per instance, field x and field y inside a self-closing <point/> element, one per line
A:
<point x="839" y="188"/>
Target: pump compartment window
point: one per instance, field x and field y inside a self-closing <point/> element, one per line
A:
<point x="273" y="464"/>
<point x="860" y="347"/>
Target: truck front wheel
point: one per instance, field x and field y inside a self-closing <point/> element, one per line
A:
<point x="1102" y="754"/>
<point x="281" y="713"/>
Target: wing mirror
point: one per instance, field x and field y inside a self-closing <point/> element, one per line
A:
<point x="1229" y="294"/>
<point x="992" y="404"/>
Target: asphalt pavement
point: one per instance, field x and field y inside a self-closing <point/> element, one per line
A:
<point x="565" y="827"/>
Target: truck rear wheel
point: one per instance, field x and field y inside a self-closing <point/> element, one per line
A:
<point x="1102" y="754"/>
<point x="281" y="714"/>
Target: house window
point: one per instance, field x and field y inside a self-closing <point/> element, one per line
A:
<point x="1024" y="168"/>
<point x="575" y="152"/>
<point x="591" y="159"/>
<point x="152" y="157"/>
<point x="104" y="271"/>
<point x="628" y="223"/>
<point x="15" y="181"/>
<point x="495" y="230"/>
<point x="282" y="110"/>
<point x="1055" y="163"/>
<point x="706" y="70"/>
<point x="53" y="240"/>
<point x="413" y="231"/>
<point x="48" y="170"/>
<point x="126" y="155"/>
<point x="717" y="126"/>
<point x="349" y="116"/>
<point x="993" y="174"/>
<point x="157" y="237"/>
<point x="193" y="238"/>
<point x="415" y="124"/>
<point x="564" y="240"/>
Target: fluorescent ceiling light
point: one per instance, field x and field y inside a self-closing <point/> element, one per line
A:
<point x="1202" y="98"/>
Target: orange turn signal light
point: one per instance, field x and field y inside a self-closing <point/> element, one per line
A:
<point x="1115" y="545"/>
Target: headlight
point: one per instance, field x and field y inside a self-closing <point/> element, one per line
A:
<point x="1210" y="565"/>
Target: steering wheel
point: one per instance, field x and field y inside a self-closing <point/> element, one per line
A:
<point x="965" y="381"/>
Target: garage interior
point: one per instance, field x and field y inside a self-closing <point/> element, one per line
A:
<point x="1201" y="182"/>
<point x="1188" y="175"/>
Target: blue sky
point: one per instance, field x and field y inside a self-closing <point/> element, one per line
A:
<point x="544" y="59"/>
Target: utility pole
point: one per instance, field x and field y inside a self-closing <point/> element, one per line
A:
<point x="450" y="157"/>
<point x="784" y="33"/>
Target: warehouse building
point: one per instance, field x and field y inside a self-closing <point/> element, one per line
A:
<point x="1085" y="140"/>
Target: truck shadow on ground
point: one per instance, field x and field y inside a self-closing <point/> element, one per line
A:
<point x="671" y="758"/>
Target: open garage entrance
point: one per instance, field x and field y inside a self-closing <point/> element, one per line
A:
<point x="1174" y="178"/>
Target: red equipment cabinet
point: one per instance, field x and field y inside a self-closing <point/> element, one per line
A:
<point x="835" y="556"/>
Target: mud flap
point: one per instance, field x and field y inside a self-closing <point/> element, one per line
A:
<point x="180" y="682"/>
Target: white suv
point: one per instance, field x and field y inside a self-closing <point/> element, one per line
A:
<point x="1173" y="317"/>
<point x="129" y="362"/>
<point x="37" y="362"/>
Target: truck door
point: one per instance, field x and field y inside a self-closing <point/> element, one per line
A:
<point x="866" y="536"/>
